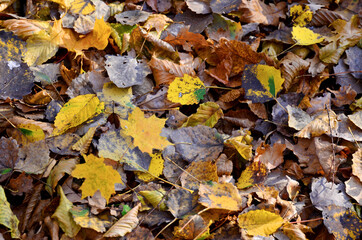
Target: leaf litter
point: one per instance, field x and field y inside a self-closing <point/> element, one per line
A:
<point x="180" y="120"/>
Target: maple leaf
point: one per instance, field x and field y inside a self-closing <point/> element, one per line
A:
<point x="98" y="176"/>
<point x="145" y="131"/>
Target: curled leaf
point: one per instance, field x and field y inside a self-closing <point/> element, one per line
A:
<point x="124" y="225"/>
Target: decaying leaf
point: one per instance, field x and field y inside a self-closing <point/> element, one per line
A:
<point x="260" y="222"/>
<point x="198" y="172"/>
<point x="186" y="90"/>
<point x="155" y="169"/>
<point x="261" y="82"/>
<point x="98" y="176"/>
<point x="223" y="196"/>
<point x="207" y="114"/>
<point x="124" y="225"/>
<point x="82" y="216"/>
<point x="301" y="14"/>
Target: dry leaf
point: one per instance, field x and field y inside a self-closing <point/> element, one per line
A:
<point x="124" y="225"/>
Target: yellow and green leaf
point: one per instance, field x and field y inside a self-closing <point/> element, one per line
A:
<point x="186" y="90"/>
<point x="76" y="111"/>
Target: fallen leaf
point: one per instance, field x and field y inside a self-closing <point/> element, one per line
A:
<point x="356" y="118"/>
<point x="342" y="222"/>
<point x="124" y="225"/>
<point x="199" y="143"/>
<point x="63" y="216"/>
<point x="192" y="227"/>
<point x="322" y="190"/>
<point x="186" y="90"/>
<point x="126" y="71"/>
<point x="305" y="36"/>
<point x="270" y="156"/>
<point x="198" y="172"/>
<point x="98" y="176"/>
<point x="223" y="196"/>
<point x="301" y="14"/>
<point x="207" y="114"/>
<point x="260" y="222"/>
<point x="145" y="131"/>
<point x="82" y="216"/>
<point x="357" y="164"/>
<point x="58" y="172"/>
<point x="180" y="202"/>
<point x="353" y="189"/>
<point x="261" y="82"/>
<point x="156" y="198"/>
<point x="253" y="174"/>
<point x="76" y="111"/>
<point x="83" y="7"/>
<point x="258" y="12"/>
<point x="155" y="169"/>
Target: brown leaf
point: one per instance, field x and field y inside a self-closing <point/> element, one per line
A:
<point x="324" y="17"/>
<point x="224" y="166"/>
<point x="357" y="164"/>
<point x="291" y="66"/>
<point x="270" y="156"/>
<point x="259" y="12"/>
<point x="344" y="96"/>
<point x="21" y="184"/>
<point x="164" y="71"/>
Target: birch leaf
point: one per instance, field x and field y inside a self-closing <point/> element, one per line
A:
<point x="124" y="225"/>
<point x="186" y="90"/>
<point x="260" y="222"/>
<point x="76" y="111"/>
<point x="304" y="36"/>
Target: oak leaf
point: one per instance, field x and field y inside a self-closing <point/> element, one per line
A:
<point x="145" y="131"/>
<point x="98" y="176"/>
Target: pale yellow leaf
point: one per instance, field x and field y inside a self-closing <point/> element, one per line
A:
<point x="124" y="225"/>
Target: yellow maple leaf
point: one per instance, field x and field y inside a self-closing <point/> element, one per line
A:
<point x="301" y="15"/>
<point x="186" y="90"/>
<point x="76" y="111"/>
<point x="304" y="36"/>
<point x="260" y="222"/>
<point x="145" y="131"/>
<point x="70" y="40"/>
<point x="98" y="176"/>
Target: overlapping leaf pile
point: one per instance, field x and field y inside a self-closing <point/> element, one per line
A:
<point x="185" y="119"/>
